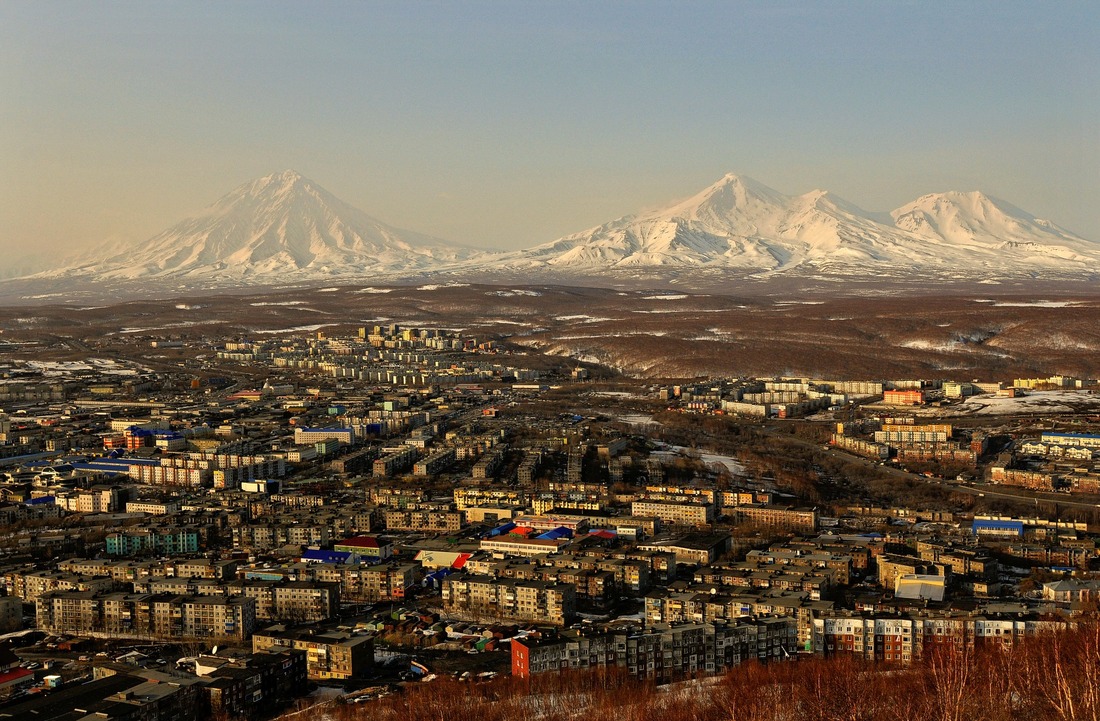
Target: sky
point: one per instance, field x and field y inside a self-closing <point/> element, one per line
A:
<point x="508" y="124"/>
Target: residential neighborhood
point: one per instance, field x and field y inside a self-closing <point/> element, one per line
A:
<point x="269" y="516"/>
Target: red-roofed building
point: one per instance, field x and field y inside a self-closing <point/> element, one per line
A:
<point x="442" y="559"/>
<point x="12" y="677"/>
<point x="368" y="547"/>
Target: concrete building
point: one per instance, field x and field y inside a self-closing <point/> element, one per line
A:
<point x="660" y="653"/>
<point x="507" y="599"/>
<point x="680" y="514"/>
<point x="330" y="655"/>
<point x="165" y="616"/>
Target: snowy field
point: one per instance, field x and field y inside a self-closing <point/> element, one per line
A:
<point x="1068" y="401"/>
<point x="732" y="464"/>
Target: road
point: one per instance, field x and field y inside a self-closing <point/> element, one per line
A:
<point x="984" y="490"/>
<point x="1020" y="495"/>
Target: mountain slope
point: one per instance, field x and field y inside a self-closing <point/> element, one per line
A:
<point x="741" y="225"/>
<point x="974" y="220"/>
<point x="276" y="227"/>
<point x="286" y="228"/>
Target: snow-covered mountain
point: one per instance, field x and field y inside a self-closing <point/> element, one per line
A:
<point x="739" y="224"/>
<point x="280" y="227"/>
<point x="286" y="228"/>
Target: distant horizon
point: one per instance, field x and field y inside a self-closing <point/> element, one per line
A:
<point x="503" y="126"/>
<point x="195" y="212"/>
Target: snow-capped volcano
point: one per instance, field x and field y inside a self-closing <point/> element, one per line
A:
<point x="286" y="228"/>
<point x="973" y="218"/>
<point x="274" y="228"/>
<point x="740" y="224"/>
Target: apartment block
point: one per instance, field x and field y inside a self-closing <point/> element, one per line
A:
<point x="166" y="541"/>
<point x="330" y="655"/>
<point x="660" y="653"/>
<point x="508" y="599"/>
<point x="426" y="521"/>
<point x="680" y="514"/>
<point x="166" y="616"/>
<point x="795" y="519"/>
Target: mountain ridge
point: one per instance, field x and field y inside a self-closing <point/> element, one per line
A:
<point x="285" y="227"/>
<point x="739" y="224"/>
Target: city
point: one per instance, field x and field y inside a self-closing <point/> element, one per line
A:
<point x="483" y="361"/>
<point x="262" y="518"/>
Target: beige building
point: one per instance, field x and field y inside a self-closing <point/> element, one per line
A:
<point x="680" y="514"/>
<point x="167" y="616"/>
<point x="796" y="519"/>
<point x="890" y="568"/>
<point x="329" y="654"/>
<point x="29" y="585"/>
<point x="427" y="521"/>
<point x="509" y="599"/>
<point x="523" y="546"/>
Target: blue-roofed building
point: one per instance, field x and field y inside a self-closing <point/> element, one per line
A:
<point x="23" y="459"/>
<point x="113" y="466"/>
<point x="315" y="555"/>
<point x="435" y="578"/>
<point x="556" y="533"/>
<point x="998" y="528"/>
<point x="1078" y="440"/>
<point x="502" y="529"/>
<point x="169" y="440"/>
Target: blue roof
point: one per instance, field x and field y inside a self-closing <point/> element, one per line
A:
<point x="555" y="534"/>
<point x="438" y="575"/>
<point x="1052" y="434"/>
<point x="321" y="556"/>
<point x="999" y="525"/>
<point x="114" y="465"/>
<point x="16" y="460"/>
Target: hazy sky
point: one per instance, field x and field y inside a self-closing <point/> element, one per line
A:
<point x="506" y="124"/>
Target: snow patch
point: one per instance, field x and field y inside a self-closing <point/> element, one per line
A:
<point x="437" y="286"/>
<point x="1038" y="304"/>
<point x="295" y="329"/>
<point x="512" y="293"/>
<point x="682" y="310"/>
<point x="584" y="318"/>
<point x="167" y="326"/>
